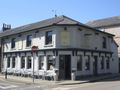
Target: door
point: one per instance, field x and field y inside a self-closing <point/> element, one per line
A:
<point x="64" y="67"/>
<point x="95" y="64"/>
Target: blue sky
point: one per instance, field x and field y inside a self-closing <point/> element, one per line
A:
<point x="21" y="12"/>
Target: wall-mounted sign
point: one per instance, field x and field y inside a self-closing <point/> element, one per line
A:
<point x="65" y="38"/>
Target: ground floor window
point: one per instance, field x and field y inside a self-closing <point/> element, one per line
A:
<point x="41" y="62"/>
<point x="79" y="62"/>
<point x="102" y="62"/>
<point x="51" y="62"/>
<point x="108" y="63"/>
<point x="29" y="62"/>
<point x="13" y="62"/>
<point x="8" y="62"/>
<point x="23" y="62"/>
<point x="87" y="63"/>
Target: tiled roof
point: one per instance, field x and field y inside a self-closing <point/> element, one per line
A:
<point x="60" y="20"/>
<point x="105" y="22"/>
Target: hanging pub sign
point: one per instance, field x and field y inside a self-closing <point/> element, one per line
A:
<point x="34" y="48"/>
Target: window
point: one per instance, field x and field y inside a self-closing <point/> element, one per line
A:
<point x="79" y="63"/>
<point x="8" y="62"/>
<point x="29" y="62"/>
<point x="51" y="63"/>
<point x="13" y="43"/>
<point x="104" y="42"/>
<point x="108" y="63"/>
<point x="13" y="62"/>
<point x="22" y="62"/>
<point x="87" y="63"/>
<point x="41" y="62"/>
<point x="29" y="41"/>
<point x="48" y="37"/>
<point x="102" y="62"/>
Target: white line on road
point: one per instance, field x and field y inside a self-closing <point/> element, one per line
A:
<point x="7" y="87"/>
<point x="60" y="88"/>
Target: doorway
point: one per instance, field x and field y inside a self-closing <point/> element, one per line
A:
<point x="64" y="67"/>
<point x="95" y="66"/>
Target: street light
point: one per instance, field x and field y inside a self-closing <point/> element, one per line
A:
<point x="34" y="49"/>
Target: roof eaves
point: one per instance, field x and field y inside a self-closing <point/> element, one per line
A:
<point x="96" y="29"/>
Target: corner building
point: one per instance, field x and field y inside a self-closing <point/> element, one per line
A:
<point x="65" y="47"/>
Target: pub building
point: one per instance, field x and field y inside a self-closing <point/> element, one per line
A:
<point x="63" y="49"/>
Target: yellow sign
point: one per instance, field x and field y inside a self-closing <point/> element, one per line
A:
<point x="65" y="38"/>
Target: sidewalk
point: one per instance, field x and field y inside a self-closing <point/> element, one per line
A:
<point x="89" y="79"/>
<point x="28" y="80"/>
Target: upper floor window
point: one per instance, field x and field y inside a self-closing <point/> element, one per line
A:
<point x="104" y="44"/>
<point x="13" y="43"/>
<point x="29" y="41"/>
<point x="79" y="62"/>
<point x="48" y="37"/>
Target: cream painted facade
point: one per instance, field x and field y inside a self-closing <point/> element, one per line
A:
<point x="74" y="51"/>
<point x="116" y="31"/>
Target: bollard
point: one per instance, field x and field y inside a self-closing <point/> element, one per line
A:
<point x="73" y="76"/>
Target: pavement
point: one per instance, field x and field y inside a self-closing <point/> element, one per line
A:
<point x="28" y="80"/>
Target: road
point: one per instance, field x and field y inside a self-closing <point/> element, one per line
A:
<point x="109" y="84"/>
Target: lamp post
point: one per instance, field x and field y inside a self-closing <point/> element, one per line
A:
<point x="34" y="49"/>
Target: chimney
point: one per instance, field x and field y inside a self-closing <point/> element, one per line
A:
<point x="6" y="27"/>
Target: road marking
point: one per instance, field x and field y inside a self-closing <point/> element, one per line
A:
<point x="7" y="87"/>
<point x="61" y="88"/>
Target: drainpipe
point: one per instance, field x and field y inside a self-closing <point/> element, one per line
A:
<point x="1" y="54"/>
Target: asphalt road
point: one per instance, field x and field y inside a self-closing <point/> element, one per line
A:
<point x="12" y="85"/>
<point x="108" y="84"/>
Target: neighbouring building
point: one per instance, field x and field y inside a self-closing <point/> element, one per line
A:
<point x="66" y="47"/>
<point x="110" y="25"/>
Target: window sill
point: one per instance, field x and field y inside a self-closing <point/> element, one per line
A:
<point x="13" y="49"/>
<point x="48" y="45"/>
<point x="28" y="47"/>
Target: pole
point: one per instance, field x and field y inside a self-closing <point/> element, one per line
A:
<point x="33" y="65"/>
<point x="6" y="74"/>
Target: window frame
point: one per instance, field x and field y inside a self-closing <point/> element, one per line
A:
<point x="40" y="62"/>
<point x="28" y="40"/>
<point x="22" y="62"/>
<point x="108" y="63"/>
<point x="8" y="62"/>
<point x="13" y="62"/>
<point x="102" y="62"/>
<point x="48" y="37"/>
<point x="79" y="62"/>
<point x="87" y="63"/>
<point x="13" y="43"/>
<point x="29" y="62"/>
<point x="104" y="43"/>
<point x="50" y="62"/>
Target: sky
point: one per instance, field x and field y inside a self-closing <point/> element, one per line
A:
<point x="22" y="12"/>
